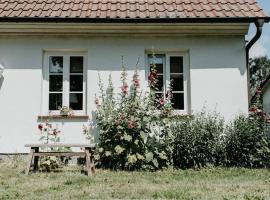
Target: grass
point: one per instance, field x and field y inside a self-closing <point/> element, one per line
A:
<point x="69" y="183"/>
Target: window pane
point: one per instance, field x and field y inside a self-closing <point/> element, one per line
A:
<point x="178" y="101"/>
<point x="176" y="64"/>
<point x="55" y="101"/>
<point x="177" y="82"/>
<point x="76" y="83"/>
<point x="56" y="64"/>
<point x="158" y="67"/>
<point x="158" y="62"/>
<point x="159" y="85"/>
<point x="56" y="83"/>
<point x="76" y="64"/>
<point x="76" y="101"/>
<point x="158" y="95"/>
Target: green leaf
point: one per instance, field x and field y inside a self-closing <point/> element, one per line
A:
<point x="149" y="157"/>
<point x="155" y="162"/>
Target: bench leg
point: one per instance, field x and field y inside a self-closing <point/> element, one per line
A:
<point x="89" y="162"/>
<point x="92" y="164"/>
<point x="29" y="161"/>
<point x="36" y="159"/>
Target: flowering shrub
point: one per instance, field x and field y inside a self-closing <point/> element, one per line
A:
<point x="134" y="134"/>
<point x="198" y="140"/>
<point x="247" y="143"/>
<point x="50" y="134"/>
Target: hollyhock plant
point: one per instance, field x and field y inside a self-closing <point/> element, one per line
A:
<point x="256" y="111"/>
<point x="136" y="83"/>
<point x="40" y="127"/>
<point x="152" y="78"/>
<point x="49" y="133"/>
<point x="125" y="122"/>
<point x="124" y="89"/>
<point x="259" y="91"/>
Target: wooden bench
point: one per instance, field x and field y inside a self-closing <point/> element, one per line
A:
<point x="35" y="154"/>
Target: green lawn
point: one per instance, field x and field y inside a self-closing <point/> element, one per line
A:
<point x="69" y="183"/>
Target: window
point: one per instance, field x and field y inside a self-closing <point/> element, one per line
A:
<point x="171" y="74"/>
<point x="65" y="83"/>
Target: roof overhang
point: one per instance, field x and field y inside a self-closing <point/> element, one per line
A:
<point x="123" y="29"/>
<point x="134" y="20"/>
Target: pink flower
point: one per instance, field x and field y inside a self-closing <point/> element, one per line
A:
<point x="136" y="83"/>
<point x="49" y="125"/>
<point x="259" y="90"/>
<point x="268" y="120"/>
<point x="124" y="88"/>
<point x="152" y="78"/>
<point x="40" y="127"/>
<point x="261" y="112"/>
<point x="131" y="124"/>
<point x="97" y="102"/>
<point x="55" y="131"/>
<point x="169" y="95"/>
<point x="253" y="109"/>
<point x="162" y="102"/>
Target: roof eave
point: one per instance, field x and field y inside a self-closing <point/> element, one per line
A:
<point x="134" y="20"/>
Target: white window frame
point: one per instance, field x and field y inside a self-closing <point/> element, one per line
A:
<point x="66" y="78"/>
<point x="166" y="72"/>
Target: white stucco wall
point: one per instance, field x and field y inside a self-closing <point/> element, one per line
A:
<point x="266" y="99"/>
<point x="218" y="78"/>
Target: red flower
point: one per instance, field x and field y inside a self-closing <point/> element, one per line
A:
<point x="124" y="88"/>
<point x="40" y="127"/>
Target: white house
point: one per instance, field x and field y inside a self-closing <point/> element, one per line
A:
<point x="52" y="51"/>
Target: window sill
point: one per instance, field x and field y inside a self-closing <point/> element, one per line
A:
<point x="84" y="117"/>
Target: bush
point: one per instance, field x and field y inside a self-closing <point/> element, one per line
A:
<point x="247" y="144"/>
<point x="198" y="141"/>
<point x="134" y="134"/>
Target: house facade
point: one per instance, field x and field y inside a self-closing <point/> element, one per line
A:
<point x="53" y="52"/>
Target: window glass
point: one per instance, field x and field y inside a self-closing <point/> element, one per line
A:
<point x="76" y="83"/>
<point x="76" y="64"/>
<point x="60" y="72"/>
<point x="176" y="64"/>
<point x="55" y="101"/>
<point x="56" y="83"/>
<point x="178" y="101"/>
<point x="76" y="101"/>
<point x="171" y="72"/>
<point x="177" y="82"/>
<point x="158" y="62"/>
<point x="56" y="64"/>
